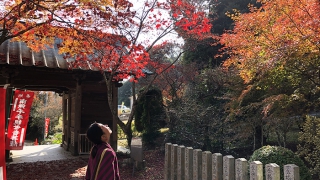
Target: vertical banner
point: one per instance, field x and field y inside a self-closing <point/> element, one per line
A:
<point x="2" y="134"/>
<point x="47" y="121"/>
<point x="19" y="117"/>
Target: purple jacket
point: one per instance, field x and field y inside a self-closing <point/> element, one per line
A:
<point x="107" y="169"/>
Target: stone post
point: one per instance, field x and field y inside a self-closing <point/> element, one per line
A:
<point x="291" y="172"/>
<point x="174" y="161"/>
<point x="217" y="166"/>
<point x="189" y="163"/>
<point x="228" y="167"/>
<point x="181" y="162"/>
<point x="256" y="170"/>
<point x="241" y="169"/>
<point x="272" y="171"/>
<point x="167" y="161"/>
<point x="197" y="164"/>
<point x="206" y="165"/>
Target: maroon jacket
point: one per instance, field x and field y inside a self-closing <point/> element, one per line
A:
<point x="108" y="168"/>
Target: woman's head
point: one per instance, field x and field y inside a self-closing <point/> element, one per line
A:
<point x="98" y="133"/>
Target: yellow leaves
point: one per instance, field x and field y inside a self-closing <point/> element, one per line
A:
<point x="106" y="2"/>
<point x="279" y="31"/>
<point x="235" y="15"/>
<point x="97" y="3"/>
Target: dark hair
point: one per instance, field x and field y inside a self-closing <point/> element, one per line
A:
<point x="94" y="134"/>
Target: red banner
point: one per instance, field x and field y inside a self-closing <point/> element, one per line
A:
<point x="47" y="121"/>
<point x="2" y="134"/>
<point x="19" y="117"/>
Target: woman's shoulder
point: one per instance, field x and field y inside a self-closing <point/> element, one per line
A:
<point x="105" y="146"/>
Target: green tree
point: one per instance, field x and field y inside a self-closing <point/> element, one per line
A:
<point x="45" y="105"/>
<point x="150" y="116"/>
<point x="204" y="53"/>
<point x="309" y="146"/>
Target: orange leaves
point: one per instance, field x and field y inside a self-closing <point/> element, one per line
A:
<point x="278" y="32"/>
<point x="103" y="34"/>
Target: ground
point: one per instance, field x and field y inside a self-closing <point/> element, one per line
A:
<point x="75" y="169"/>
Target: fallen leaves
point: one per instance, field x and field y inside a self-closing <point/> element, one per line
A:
<point x="75" y="169"/>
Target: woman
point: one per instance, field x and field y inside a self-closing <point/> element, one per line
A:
<point x="103" y="163"/>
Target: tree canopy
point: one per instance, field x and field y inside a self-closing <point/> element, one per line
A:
<point x="274" y="35"/>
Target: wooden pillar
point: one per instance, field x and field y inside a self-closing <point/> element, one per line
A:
<point x="66" y="114"/>
<point x="77" y="117"/>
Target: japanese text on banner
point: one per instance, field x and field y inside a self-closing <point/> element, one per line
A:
<point x="19" y="117"/>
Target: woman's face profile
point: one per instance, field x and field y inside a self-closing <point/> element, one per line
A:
<point x="106" y="132"/>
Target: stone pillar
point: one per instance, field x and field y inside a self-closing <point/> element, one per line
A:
<point x="189" y="163"/>
<point x="217" y="166"/>
<point x="181" y="162"/>
<point x="174" y="148"/>
<point x="228" y="167"/>
<point x="206" y="165"/>
<point x="256" y="170"/>
<point x="291" y="172"/>
<point x="241" y="169"/>
<point x="272" y="171"/>
<point x="167" y="161"/>
<point x="197" y="164"/>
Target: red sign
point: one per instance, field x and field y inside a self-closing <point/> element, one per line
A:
<point x="47" y="121"/>
<point x="2" y="134"/>
<point x="19" y="117"/>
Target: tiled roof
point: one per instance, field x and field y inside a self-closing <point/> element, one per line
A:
<point x="17" y="53"/>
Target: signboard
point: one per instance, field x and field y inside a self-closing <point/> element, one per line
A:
<point x="19" y="117"/>
<point x="2" y="134"/>
<point x="47" y="121"/>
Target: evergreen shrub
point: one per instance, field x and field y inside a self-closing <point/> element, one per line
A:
<point x="281" y="156"/>
<point x="309" y="145"/>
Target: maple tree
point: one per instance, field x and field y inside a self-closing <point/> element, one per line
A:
<point x="34" y="18"/>
<point x="275" y="49"/>
<point x="275" y="33"/>
<point x="110" y="36"/>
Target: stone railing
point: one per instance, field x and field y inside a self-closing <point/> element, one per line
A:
<point x="186" y="163"/>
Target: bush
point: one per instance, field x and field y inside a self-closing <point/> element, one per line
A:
<point x="309" y="147"/>
<point x="281" y="156"/>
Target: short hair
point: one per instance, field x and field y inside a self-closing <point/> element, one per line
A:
<point x="94" y="133"/>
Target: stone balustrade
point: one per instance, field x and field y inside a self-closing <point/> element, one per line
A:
<point x="186" y="163"/>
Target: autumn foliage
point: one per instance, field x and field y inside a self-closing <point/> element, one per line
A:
<point x="103" y="35"/>
<point x="275" y="34"/>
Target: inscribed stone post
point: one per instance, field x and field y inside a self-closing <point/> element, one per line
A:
<point x="167" y="161"/>
<point x="256" y="170"/>
<point x="189" y="163"/>
<point x="272" y="171"/>
<point x="291" y="172"/>
<point x="217" y="166"/>
<point x="174" y="148"/>
<point x="181" y="162"/>
<point x="241" y="169"/>
<point x="228" y="167"/>
<point x="197" y="164"/>
<point x="206" y="165"/>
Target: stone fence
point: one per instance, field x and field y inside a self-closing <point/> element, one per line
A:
<point x="186" y="163"/>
